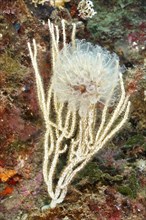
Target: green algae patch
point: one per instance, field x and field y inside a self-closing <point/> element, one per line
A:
<point x="135" y="140"/>
<point x="130" y="188"/>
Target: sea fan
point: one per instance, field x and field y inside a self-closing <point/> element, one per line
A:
<point x="83" y="75"/>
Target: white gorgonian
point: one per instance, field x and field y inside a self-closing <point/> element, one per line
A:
<point x="82" y="75"/>
<point x="85" y="75"/>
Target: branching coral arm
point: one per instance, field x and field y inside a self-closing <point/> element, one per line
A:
<point x="118" y="127"/>
<point x="104" y="115"/>
<point x="63" y="33"/>
<point x="39" y="84"/>
<point x="116" y="111"/>
<point x="73" y="36"/>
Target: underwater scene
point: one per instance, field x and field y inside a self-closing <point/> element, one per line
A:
<point x="72" y="110"/>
